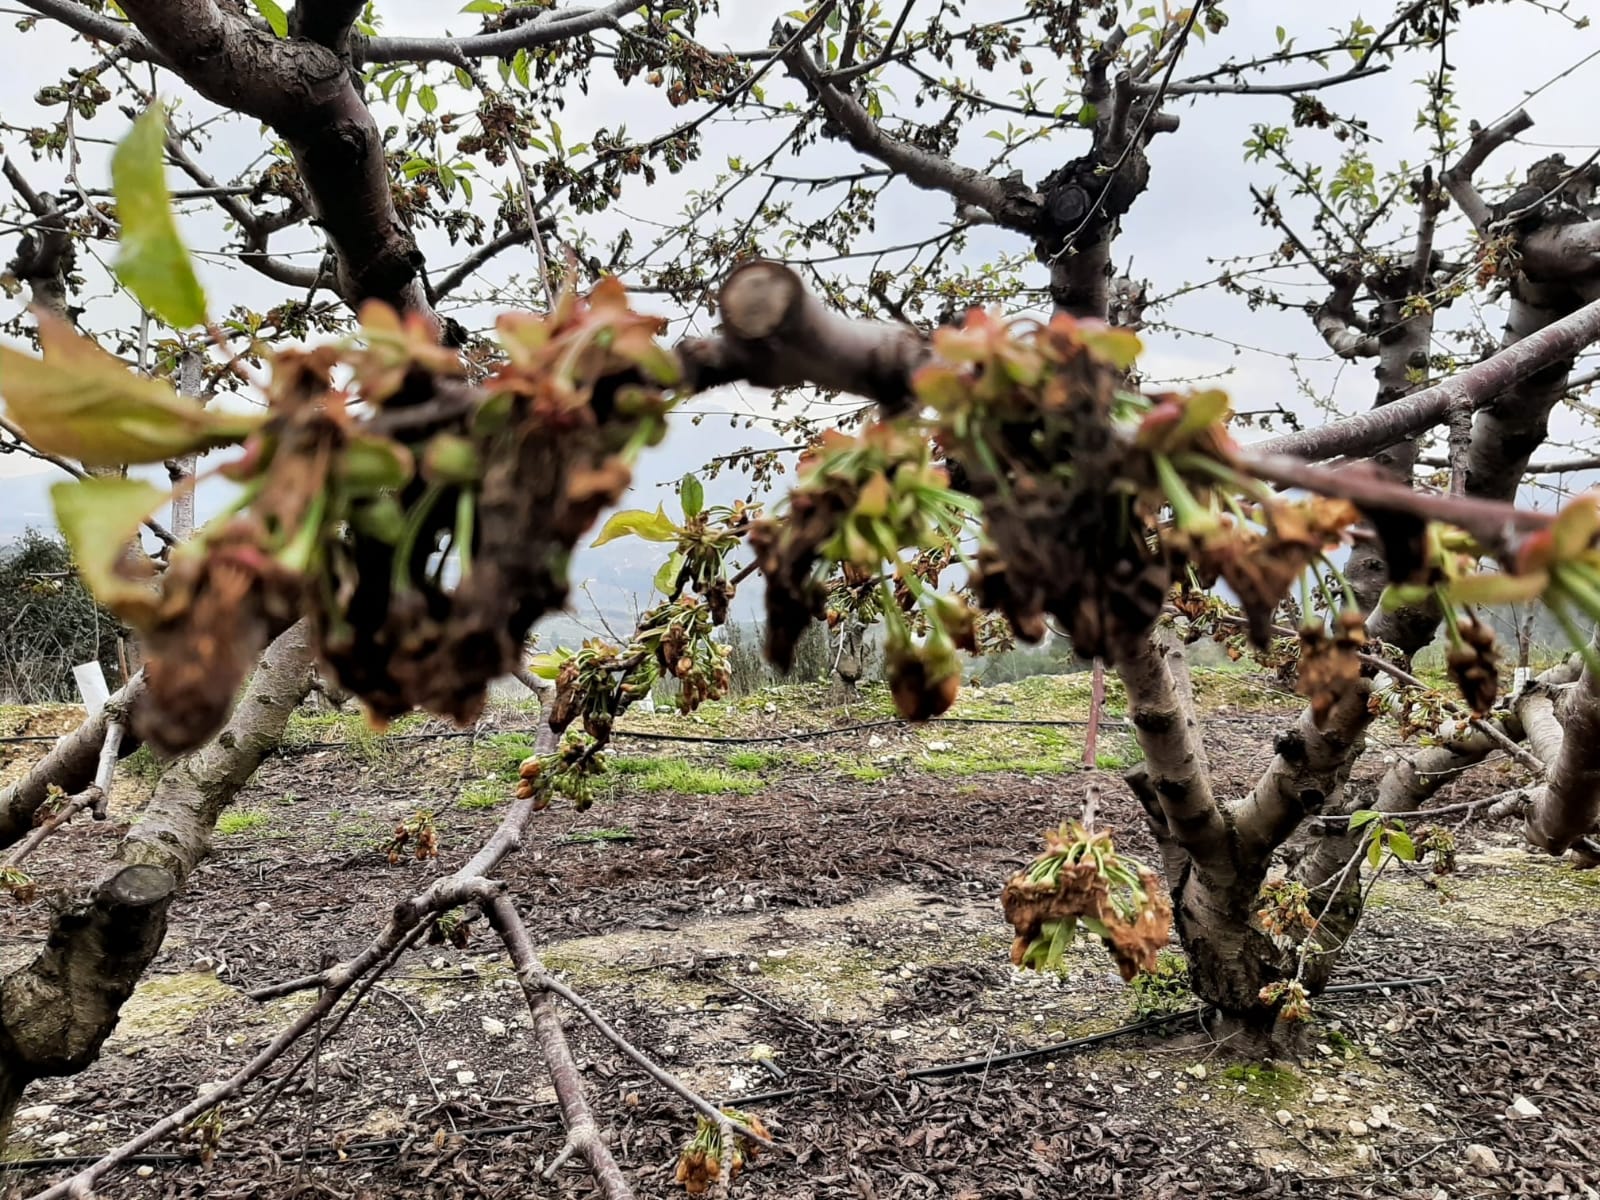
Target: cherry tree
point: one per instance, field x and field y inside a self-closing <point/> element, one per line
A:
<point x="980" y="458"/>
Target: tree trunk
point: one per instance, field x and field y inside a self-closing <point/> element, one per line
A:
<point x="56" y="1012"/>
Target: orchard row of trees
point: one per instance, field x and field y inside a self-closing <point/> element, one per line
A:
<point x="410" y="486"/>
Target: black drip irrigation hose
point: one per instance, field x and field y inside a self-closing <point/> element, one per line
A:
<point x="966" y="1066"/>
<point x="739" y="739"/>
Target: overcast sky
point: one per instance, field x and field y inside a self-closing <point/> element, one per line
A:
<point x="1197" y="208"/>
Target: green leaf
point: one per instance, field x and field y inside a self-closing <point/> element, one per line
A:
<point x="1364" y="817"/>
<point x="519" y="67"/>
<point x="152" y="262"/>
<point x="81" y="402"/>
<point x="668" y="574"/>
<point x="1401" y="845"/>
<point x="1374" y="852"/>
<point x="1119" y="347"/>
<point x="548" y="666"/>
<point x="275" y="16"/>
<point x="651" y="526"/>
<point x="427" y="98"/>
<point x="1088" y="114"/>
<point x="484" y="6"/>
<point x="693" y="496"/>
<point x="99" y="517"/>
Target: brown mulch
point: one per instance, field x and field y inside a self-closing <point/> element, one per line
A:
<point x="1519" y="1014"/>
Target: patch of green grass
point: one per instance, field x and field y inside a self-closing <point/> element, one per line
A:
<point x="1267" y="1085"/>
<point x="240" y="821"/>
<point x="687" y="778"/>
<point x="142" y="764"/>
<point x="482" y="793"/>
<point x="864" y="773"/>
<point x="618" y="833"/>
<point x="503" y="753"/>
<point x="757" y="760"/>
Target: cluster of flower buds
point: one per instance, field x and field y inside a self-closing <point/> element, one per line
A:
<point x="1080" y="879"/>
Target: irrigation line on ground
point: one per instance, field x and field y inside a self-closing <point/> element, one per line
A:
<point x="968" y="1066"/>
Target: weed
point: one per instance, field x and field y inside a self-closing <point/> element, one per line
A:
<point x="864" y="773"/>
<point x="482" y="793"/>
<point x="240" y="821"/>
<point x="142" y="764"/>
<point x="687" y="778"/>
<point x="1164" y="990"/>
<point x="504" y="753"/>
<point x="756" y="760"/>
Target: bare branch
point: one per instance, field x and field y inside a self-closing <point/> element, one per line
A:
<point x="1174" y="763"/>
<point x="1368" y="432"/>
<point x="1485" y="141"/>
<point x="1569" y="807"/>
<point x="71" y="765"/>
<point x="556" y="25"/>
<point x="1240" y="88"/>
<point x="926" y="170"/>
<point x="776" y="333"/>
<point x="583" y="1135"/>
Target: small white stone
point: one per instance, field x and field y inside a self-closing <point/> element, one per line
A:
<point x="1197" y="1071"/>
<point x="465" y="1078"/>
<point x="1482" y="1159"/>
<point x="938" y="747"/>
<point x="1523" y="1109"/>
<point x="777" y="955"/>
<point x="145" y="1171"/>
<point x="58" y="1139"/>
<point x="898" y="1035"/>
<point x="874" y="741"/>
<point x="35" y="1112"/>
<point x="769" y="708"/>
<point x="747" y="901"/>
<point x="1319" y="1096"/>
<point x="1378" y="1118"/>
<point x="1359" y="1128"/>
<point x="492" y="1026"/>
<point x="263" y="906"/>
<point x="720" y="894"/>
<point x="1284" y="1116"/>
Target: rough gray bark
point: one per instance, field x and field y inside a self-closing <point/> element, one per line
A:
<point x="306" y="93"/>
<point x="1568" y="809"/>
<point x="174" y="831"/>
<point x="57" y="1011"/>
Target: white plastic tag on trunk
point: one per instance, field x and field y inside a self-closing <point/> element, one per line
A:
<point x="91" y="682"/>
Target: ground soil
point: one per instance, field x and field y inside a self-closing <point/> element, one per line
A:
<point x="826" y="927"/>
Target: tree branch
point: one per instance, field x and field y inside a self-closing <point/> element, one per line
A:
<point x="583" y="1135"/>
<point x="305" y="93"/>
<point x="1174" y="763"/>
<point x="932" y="172"/>
<point x="776" y="333"/>
<point x="1485" y="141"/>
<point x="1240" y="88"/>
<point x="71" y="765"/>
<point x="1569" y="807"/>
<point x="556" y="26"/>
<point x="1368" y="432"/>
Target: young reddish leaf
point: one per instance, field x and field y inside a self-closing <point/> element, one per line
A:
<point x="81" y="402"/>
<point x="99" y="517"/>
<point x="152" y="262"/>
